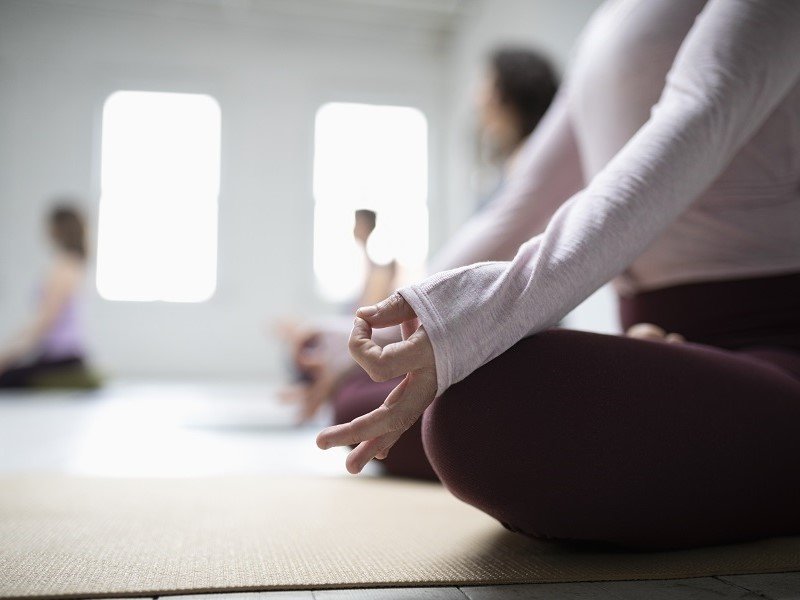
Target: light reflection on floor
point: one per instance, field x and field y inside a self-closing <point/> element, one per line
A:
<point x="150" y="429"/>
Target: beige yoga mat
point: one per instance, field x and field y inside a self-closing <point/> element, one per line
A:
<point x="78" y="537"/>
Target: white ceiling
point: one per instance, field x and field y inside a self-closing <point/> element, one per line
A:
<point x="417" y="21"/>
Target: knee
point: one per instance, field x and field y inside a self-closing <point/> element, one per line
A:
<point x="500" y="439"/>
<point x="457" y="437"/>
<point x="508" y="479"/>
<point x="359" y="395"/>
<point x="453" y="431"/>
<point x="478" y="418"/>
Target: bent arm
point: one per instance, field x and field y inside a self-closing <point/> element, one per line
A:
<point x="61" y="284"/>
<point x="737" y="63"/>
<point x="546" y="173"/>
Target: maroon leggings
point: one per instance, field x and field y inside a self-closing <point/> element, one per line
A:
<point x="579" y="436"/>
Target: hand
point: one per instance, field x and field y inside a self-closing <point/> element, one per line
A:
<point x="298" y="335"/>
<point x="376" y="432"/>
<point x="321" y="377"/>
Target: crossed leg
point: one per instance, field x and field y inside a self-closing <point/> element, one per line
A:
<point x="582" y="436"/>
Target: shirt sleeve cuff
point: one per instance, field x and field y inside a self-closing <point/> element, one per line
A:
<point x="429" y="317"/>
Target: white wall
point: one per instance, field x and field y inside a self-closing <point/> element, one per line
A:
<point x="270" y="64"/>
<point x="269" y="71"/>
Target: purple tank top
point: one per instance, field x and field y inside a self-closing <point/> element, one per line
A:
<point x="65" y="338"/>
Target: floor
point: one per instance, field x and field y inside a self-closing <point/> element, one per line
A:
<point x="172" y="429"/>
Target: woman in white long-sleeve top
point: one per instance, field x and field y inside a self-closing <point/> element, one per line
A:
<point x="670" y="163"/>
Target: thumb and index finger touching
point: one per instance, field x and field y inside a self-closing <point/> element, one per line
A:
<point x="394" y="310"/>
<point x="394" y="359"/>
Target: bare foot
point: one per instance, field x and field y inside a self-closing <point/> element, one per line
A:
<point x="648" y="331"/>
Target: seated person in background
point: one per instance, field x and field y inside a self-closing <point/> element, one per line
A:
<point x="517" y="89"/>
<point x="49" y="350"/>
<point x="379" y="278"/>
<point x="306" y="343"/>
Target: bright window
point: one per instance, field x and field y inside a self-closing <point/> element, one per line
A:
<point x="368" y="157"/>
<point x="160" y="166"/>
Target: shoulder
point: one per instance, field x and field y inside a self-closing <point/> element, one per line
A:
<point x="67" y="270"/>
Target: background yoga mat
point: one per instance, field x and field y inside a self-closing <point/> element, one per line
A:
<point x="64" y="536"/>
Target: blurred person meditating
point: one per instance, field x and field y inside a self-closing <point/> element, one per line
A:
<point x="310" y="344"/>
<point x="516" y="89"/>
<point x="49" y="351"/>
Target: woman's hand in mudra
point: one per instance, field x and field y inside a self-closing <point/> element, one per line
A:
<point x="376" y="432"/>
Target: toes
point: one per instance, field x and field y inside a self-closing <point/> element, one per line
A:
<point x="646" y="331"/>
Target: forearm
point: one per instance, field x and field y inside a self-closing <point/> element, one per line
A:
<point x="476" y="313"/>
<point x="593" y="237"/>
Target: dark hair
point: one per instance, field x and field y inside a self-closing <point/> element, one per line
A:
<point x="68" y="228"/>
<point x="369" y="215"/>
<point x="525" y="82"/>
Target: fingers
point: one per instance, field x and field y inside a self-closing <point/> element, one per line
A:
<point x="362" y="348"/>
<point x="382" y="364"/>
<point x="404" y="405"/>
<point x="366" y="451"/>
<point x="396" y="359"/>
<point x="361" y="455"/>
<point x="392" y="311"/>
<point x="388" y="417"/>
<point x="407" y="328"/>
<point x="375" y="433"/>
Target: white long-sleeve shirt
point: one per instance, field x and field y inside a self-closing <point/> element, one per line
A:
<point x="684" y="118"/>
